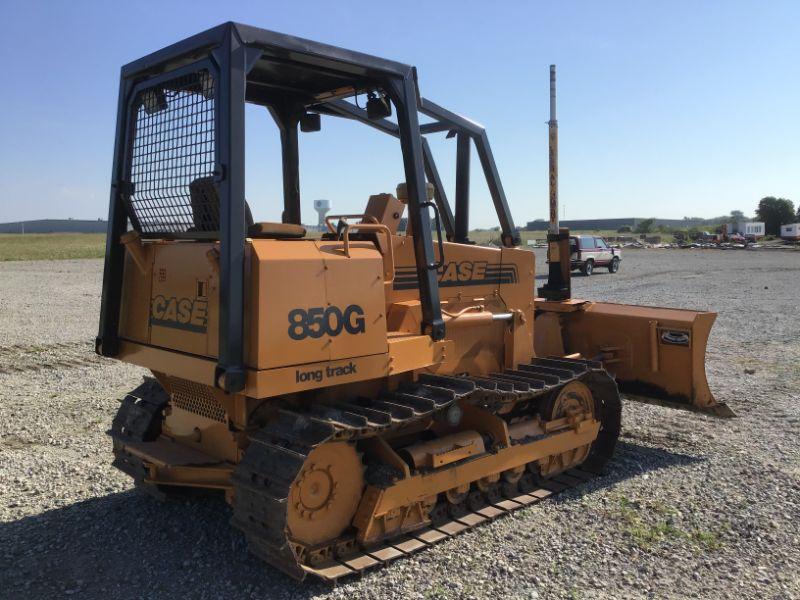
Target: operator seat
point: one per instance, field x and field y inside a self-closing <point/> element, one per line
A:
<point x="205" y="214"/>
<point x="276" y="231"/>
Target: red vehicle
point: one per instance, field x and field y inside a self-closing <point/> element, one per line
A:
<point x="588" y="252"/>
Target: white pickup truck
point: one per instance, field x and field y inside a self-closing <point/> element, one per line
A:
<point x="589" y="251"/>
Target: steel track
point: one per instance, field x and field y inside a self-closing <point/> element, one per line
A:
<point x="277" y="453"/>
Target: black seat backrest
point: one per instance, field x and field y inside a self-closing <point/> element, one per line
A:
<point x="205" y="206"/>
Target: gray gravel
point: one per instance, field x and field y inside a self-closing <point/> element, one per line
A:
<point x="690" y="507"/>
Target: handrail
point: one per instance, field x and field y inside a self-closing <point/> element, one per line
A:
<point x="439" y="263"/>
<point x="388" y="272"/>
<point x="333" y="229"/>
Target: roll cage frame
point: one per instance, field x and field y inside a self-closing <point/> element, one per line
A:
<point x="290" y="76"/>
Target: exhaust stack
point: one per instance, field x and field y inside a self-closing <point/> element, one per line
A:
<point x="558" y="255"/>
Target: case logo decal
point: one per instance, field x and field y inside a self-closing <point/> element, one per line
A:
<point x="179" y="313"/>
<point x="461" y="273"/>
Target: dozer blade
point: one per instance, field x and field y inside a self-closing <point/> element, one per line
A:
<point x="657" y="355"/>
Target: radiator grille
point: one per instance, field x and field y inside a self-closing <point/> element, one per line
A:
<point x="173" y="150"/>
<point x="196" y="398"/>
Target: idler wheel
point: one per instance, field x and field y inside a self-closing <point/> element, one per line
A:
<point x="325" y="494"/>
<point x="575" y="402"/>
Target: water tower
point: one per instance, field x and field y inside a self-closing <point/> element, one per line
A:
<point x="322" y="207"/>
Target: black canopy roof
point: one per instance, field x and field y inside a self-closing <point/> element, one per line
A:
<point x="311" y="71"/>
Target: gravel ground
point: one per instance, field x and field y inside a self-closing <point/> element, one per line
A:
<point x="690" y="506"/>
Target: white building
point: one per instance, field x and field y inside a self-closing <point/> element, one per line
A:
<point x="791" y="232"/>
<point x="749" y="229"/>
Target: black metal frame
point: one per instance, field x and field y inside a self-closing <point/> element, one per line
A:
<point x="465" y="131"/>
<point x="446" y="120"/>
<point x="241" y="59"/>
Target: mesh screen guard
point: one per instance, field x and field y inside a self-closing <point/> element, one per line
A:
<point x="173" y="158"/>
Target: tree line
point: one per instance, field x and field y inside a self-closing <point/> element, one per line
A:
<point x="776" y="212"/>
<point x="773" y="211"/>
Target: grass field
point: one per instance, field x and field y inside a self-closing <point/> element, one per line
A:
<point x="484" y="236"/>
<point x="62" y="246"/>
<point x="51" y="246"/>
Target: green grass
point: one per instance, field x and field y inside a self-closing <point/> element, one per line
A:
<point x="435" y="592"/>
<point x="51" y="246"/>
<point x="485" y="236"/>
<point x="650" y="524"/>
<point x="61" y="246"/>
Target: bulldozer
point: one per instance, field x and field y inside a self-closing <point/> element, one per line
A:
<point x="361" y="394"/>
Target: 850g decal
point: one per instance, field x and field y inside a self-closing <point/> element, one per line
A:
<point x="316" y="322"/>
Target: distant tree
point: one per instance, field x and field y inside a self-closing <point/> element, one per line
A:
<point x="736" y="216"/>
<point x="775" y="212"/>
<point x="645" y="226"/>
<point x="624" y="229"/>
<point x="798" y="214"/>
<point x="694" y="233"/>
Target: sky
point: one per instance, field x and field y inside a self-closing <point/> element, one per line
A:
<point x="667" y="109"/>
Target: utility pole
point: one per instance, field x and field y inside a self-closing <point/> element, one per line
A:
<point x="552" y="130"/>
<point x="558" y="278"/>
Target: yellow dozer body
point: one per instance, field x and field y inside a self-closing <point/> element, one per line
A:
<point x="357" y="428"/>
<point x="372" y="428"/>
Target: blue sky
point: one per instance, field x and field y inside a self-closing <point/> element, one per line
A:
<point x="665" y="109"/>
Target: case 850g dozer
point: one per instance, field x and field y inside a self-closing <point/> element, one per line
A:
<point x="360" y="396"/>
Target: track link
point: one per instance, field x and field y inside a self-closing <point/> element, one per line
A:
<point x="363" y="559"/>
<point x="138" y="420"/>
<point x="277" y="453"/>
